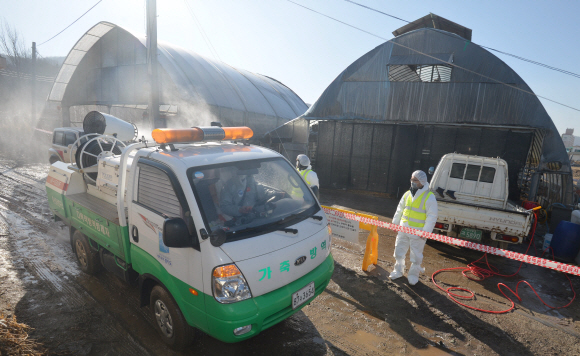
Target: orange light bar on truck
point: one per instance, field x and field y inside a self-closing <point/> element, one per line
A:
<point x="197" y="134"/>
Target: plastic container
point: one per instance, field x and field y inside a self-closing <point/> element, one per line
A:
<point x="575" y="218"/>
<point x="559" y="213"/>
<point x="547" y="241"/>
<point x="566" y="241"/>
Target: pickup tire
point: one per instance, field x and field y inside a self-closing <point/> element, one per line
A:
<point x="53" y="159"/>
<point x="88" y="258"/>
<point x="170" y="322"/>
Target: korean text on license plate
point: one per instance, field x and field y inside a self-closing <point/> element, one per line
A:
<point x="303" y="295"/>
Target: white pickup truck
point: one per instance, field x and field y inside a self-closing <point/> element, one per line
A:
<point x="472" y="198"/>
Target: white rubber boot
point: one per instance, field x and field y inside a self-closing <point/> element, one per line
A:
<point x="413" y="274"/>
<point x="398" y="270"/>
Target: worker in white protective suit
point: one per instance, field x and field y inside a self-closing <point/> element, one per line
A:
<point x="417" y="209"/>
<point x="305" y="169"/>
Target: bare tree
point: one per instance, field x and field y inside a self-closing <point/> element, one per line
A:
<point x="12" y="46"/>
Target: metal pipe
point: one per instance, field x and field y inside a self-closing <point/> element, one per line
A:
<point x="123" y="180"/>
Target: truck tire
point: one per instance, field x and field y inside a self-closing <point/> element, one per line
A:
<point x="87" y="258"/>
<point x="169" y="321"/>
<point x="53" y="159"/>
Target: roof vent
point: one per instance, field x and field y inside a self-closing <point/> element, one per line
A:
<point x="434" y="21"/>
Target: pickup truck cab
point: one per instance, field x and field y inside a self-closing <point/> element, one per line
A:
<point x="63" y="139"/>
<point x="472" y="200"/>
<point x="209" y="230"/>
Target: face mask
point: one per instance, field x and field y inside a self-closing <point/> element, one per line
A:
<point x="414" y="185"/>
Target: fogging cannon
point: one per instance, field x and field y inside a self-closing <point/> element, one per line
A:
<point x="97" y="155"/>
<point x="104" y="124"/>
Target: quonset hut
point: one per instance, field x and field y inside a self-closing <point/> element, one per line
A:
<point x="106" y="70"/>
<point x="406" y="103"/>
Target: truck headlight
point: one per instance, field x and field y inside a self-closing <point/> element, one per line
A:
<point x="229" y="285"/>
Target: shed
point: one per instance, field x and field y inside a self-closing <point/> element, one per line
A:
<point x="106" y="70"/>
<point x="427" y="92"/>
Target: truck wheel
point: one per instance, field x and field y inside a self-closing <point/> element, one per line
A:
<point x="88" y="259"/>
<point x="53" y="159"/>
<point x="170" y="322"/>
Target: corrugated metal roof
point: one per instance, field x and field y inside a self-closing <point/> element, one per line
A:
<point x="109" y="65"/>
<point x="363" y="90"/>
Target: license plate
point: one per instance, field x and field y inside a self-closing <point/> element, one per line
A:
<point x="303" y="295"/>
<point x="470" y="234"/>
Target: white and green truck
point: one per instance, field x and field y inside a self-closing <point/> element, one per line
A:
<point x="206" y="224"/>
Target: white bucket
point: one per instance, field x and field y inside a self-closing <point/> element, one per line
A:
<point x="547" y="240"/>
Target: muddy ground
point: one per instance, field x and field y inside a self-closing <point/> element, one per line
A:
<point x="360" y="313"/>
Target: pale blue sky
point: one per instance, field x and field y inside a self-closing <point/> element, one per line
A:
<point x="306" y="51"/>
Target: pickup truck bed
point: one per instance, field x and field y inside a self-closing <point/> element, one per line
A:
<point x="99" y="220"/>
<point x="509" y="221"/>
<point x="98" y="206"/>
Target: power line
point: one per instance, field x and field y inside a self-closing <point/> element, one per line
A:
<point x="435" y="58"/>
<point x="337" y="20"/>
<point x="534" y="62"/>
<point x="372" y="9"/>
<point x="70" y="24"/>
<point x="205" y="37"/>
<point x="489" y="48"/>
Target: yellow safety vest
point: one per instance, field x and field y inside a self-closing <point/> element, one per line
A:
<point x="297" y="192"/>
<point x="414" y="213"/>
<point x="304" y="175"/>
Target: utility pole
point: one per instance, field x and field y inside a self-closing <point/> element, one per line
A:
<point x="33" y="83"/>
<point x="154" y="119"/>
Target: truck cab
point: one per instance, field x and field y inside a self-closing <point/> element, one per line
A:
<point x="213" y="232"/>
<point x="472" y="180"/>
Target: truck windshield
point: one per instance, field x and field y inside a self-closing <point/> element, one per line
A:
<point x="249" y="198"/>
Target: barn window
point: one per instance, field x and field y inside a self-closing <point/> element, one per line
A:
<point x="439" y="73"/>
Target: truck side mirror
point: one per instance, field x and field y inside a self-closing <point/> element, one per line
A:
<point x="431" y="170"/>
<point x="176" y="233"/>
<point x="217" y="237"/>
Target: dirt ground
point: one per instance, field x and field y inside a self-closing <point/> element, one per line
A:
<point x="360" y="313"/>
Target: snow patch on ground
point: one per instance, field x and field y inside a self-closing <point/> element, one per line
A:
<point x="52" y="248"/>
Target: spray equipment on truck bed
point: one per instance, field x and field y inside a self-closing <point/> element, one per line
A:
<point x="98" y="159"/>
<point x="105" y="124"/>
<point x="104" y="136"/>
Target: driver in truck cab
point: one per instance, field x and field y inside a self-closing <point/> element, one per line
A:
<point x="241" y="193"/>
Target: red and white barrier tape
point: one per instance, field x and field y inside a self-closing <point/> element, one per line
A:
<point x="542" y="262"/>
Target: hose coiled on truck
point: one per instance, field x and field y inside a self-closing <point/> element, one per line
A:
<point x="93" y="148"/>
